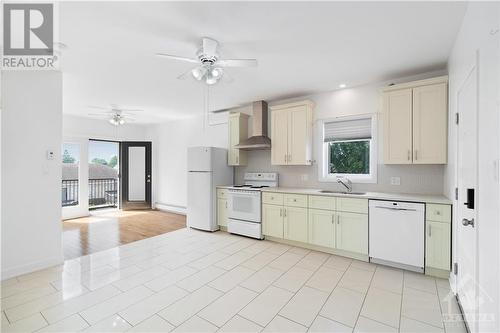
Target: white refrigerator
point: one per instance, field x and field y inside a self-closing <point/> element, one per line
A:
<point x="207" y="168"/>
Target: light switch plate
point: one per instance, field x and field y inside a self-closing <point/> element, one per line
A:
<point x="395" y="181"/>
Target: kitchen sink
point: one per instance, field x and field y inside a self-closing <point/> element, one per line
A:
<point x="340" y="192"/>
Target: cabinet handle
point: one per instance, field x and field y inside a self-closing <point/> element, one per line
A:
<point x="333" y="219"/>
<point x="416" y="154"/>
<point x="289" y="157"/>
<point x="284" y="212"/>
<point x="237" y="159"/>
<point x="409" y="154"/>
<point x="285" y="158"/>
<point x="338" y="219"/>
<point x="226" y="204"/>
<point x="430" y="232"/>
<point x="281" y="212"/>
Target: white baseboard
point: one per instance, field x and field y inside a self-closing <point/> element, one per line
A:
<point x="31" y="267"/>
<point x="171" y="208"/>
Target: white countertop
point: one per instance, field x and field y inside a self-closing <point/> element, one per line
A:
<point x="427" y="198"/>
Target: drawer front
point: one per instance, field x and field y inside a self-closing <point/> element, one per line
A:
<point x="352" y="205"/>
<point x="439" y="213"/>
<point x="272" y="198"/>
<point x="322" y="202"/>
<point x="296" y="200"/>
<point x="222" y="193"/>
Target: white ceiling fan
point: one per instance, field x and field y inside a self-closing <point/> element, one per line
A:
<point x="210" y="67"/>
<point x="114" y="114"/>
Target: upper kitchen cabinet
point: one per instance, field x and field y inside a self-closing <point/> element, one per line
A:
<point x="415" y="122"/>
<point x="238" y="131"/>
<point x="291" y="133"/>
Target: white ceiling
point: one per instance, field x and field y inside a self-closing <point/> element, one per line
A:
<point x="301" y="48"/>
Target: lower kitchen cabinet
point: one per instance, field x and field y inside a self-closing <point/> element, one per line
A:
<point x="272" y="220"/>
<point x="352" y="232"/>
<point x="322" y="227"/>
<point x="437" y="245"/>
<point x="295" y="224"/>
<point x="222" y="212"/>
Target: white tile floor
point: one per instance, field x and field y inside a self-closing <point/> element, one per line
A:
<point x="192" y="281"/>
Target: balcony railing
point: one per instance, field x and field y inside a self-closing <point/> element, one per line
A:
<point x="102" y="193"/>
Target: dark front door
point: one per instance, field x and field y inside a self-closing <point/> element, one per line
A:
<point x="136" y="175"/>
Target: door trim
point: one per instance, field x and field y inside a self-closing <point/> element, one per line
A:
<point x="124" y="203"/>
<point x="474" y="67"/>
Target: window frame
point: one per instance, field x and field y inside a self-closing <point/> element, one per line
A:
<point x="323" y="165"/>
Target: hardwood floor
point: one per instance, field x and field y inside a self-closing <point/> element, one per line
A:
<point x="107" y="229"/>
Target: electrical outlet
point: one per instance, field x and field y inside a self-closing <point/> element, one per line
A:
<point x="395" y="181"/>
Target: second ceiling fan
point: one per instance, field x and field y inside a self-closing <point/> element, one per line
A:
<point x="210" y="67"/>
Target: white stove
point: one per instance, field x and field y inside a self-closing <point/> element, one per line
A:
<point x="244" y="204"/>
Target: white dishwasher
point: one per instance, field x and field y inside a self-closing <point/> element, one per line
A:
<point x="396" y="234"/>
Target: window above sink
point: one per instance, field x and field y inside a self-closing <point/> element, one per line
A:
<point x="349" y="149"/>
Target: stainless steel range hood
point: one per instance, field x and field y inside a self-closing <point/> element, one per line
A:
<point x="259" y="139"/>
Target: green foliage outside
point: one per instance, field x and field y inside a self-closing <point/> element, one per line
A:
<point x="113" y="161"/>
<point x="67" y="158"/>
<point x="351" y="157"/>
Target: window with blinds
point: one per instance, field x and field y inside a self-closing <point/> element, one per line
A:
<point x="348" y="146"/>
<point x="356" y="129"/>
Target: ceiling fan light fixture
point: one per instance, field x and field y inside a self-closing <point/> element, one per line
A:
<point x="199" y="73"/>
<point x="216" y="72"/>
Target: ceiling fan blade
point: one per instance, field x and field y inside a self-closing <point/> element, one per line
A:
<point x="103" y="115"/>
<point x="184" y="75"/>
<point x="209" y="46"/>
<point x="131" y="110"/>
<point x="237" y="63"/>
<point x="177" y="57"/>
<point x="99" y="107"/>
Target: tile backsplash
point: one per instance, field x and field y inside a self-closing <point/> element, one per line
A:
<point x="418" y="179"/>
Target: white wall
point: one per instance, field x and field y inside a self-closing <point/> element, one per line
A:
<point x="31" y="184"/>
<point x="74" y="126"/>
<point x="79" y="130"/>
<point x="474" y="36"/>
<point x="170" y="144"/>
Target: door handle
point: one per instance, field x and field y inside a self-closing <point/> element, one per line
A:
<point x="466" y="222"/>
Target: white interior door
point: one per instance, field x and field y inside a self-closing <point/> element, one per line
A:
<point x="466" y="220"/>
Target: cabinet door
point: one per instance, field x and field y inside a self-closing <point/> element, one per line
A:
<point x="437" y="245"/>
<point x="295" y="224"/>
<point x="279" y="137"/>
<point x="272" y="220"/>
<point x="397" y="112"/>
<point x="322" y="227"/>
<point x="352" y="232"/>
<point x="222" y="212"/>
<point x="430" y="124"/>
<point x="299" y="136"/>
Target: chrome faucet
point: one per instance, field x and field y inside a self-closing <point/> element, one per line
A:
<point x="346" y="182"/>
